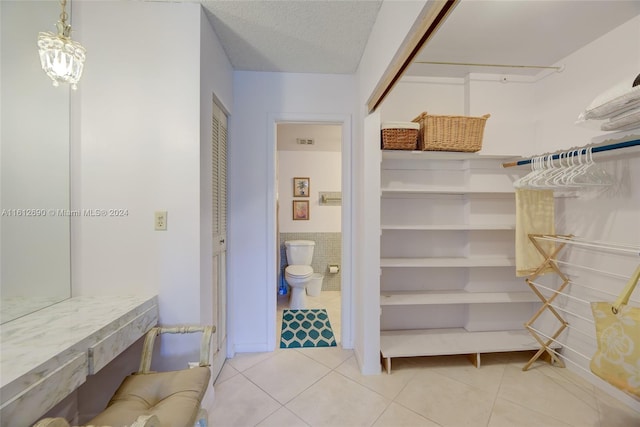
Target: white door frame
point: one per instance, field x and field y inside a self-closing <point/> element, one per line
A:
<point x="346" y="268"/>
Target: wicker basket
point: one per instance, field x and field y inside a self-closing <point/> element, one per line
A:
<point x="450" y="133"/>
<point x="399" y="135"/>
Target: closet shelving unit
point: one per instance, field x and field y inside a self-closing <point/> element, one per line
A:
<point x="448" y="282"/>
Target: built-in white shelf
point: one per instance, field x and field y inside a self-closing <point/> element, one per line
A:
<point x="447" y="190"/>
<point x="441" y="155"/>
<point x="432" y="342"/>
<point x="449" y="227"/>
<point x="426" y="191"/>
<point x="478" y="261"/>
<point x="453" y="297"/>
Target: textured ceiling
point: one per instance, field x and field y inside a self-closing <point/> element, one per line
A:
<point x="293" y="36"/>
<point x="329" y="36"/>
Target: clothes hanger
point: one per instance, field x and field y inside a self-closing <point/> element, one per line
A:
<point x="592" y="174"/>
<point x="548" y="169"/>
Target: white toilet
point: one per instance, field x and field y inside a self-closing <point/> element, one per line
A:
<point x="299" y="271"/>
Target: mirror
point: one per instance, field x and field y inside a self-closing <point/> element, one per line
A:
<point x="34" y="166"/>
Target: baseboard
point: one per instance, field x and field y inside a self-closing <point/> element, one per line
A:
<point x="209" y="397"/>
<point x="252" y="348"/>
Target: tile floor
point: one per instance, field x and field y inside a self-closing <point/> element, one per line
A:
<point x="324" y="387"/>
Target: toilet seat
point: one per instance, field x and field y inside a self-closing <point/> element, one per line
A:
<point x="299" y="271"/>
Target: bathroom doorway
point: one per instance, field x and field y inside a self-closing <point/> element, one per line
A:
<point x="309" y="168"/>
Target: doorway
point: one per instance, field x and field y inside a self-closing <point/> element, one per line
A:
<point x="325" y="157"/>
<point x="308" y="205"/>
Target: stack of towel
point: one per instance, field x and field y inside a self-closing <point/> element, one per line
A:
<point x="535" y="214"/>
<point x="618" y="108"/>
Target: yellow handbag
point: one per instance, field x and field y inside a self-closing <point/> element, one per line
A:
<point x="617" y="359"/>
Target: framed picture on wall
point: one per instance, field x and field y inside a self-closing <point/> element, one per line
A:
<point x="300" y="210"/>
<point x="301" y="187"/>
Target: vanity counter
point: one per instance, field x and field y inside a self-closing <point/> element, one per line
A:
<point x="46" y="355"/>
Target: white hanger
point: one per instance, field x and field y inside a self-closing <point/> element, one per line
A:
<point x="575" y="170"/>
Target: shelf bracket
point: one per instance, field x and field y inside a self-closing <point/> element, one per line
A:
<point x="475" y="359"/>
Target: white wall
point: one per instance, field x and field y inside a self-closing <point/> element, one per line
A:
<point x="612" y="216"/>
<point x="262" y="98"/>
<point x="412" y="96"/>
<point x="140" y="150"/>
<point x="323" y="168"/>
<point x="588" y="72"/>
<point x="511" y="128"/>
<point x="140" y="146"/>
<point x="143" y="110"/>
<point x="394" y="20"/>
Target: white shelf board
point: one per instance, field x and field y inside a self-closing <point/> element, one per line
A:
<point x="449" y="227"/>
<point x="453" y="297"/>
<point x="440" y="155"/>
<point x="615" y="137"/>
<point x="446" y="190"/>
<point x="487" y="261"/>
<point x="432" y="342"/>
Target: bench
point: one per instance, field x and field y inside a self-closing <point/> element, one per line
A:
<point x="157" y="399"/>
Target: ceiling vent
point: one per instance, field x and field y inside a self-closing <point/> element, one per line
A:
<point x="305" y="141"/>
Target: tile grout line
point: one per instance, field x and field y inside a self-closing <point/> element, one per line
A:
<point x="274" y="352"/>
<point x="562" y="381"/>
<point x="533" y="409"/>
<point x="409" y="409"/>
<point x="495" y="398"/>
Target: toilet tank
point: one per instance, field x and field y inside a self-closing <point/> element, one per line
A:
<point x="299" y="252"/>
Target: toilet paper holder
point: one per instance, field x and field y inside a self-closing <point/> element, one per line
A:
<point x="334" y="268"/>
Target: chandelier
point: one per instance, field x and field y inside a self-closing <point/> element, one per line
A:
<point x="61" y="58"/>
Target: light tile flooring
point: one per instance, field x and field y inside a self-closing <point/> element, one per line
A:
<point x="324" y="387"/>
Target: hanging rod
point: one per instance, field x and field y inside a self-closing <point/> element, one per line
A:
<point x="598" y="149"/>
<point x="326" y="199"/>
<point x="473" y="64"/>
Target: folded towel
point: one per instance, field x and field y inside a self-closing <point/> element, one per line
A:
<point x="535" y="214"/>
<point x="619" y="98"/>
<point x="627" y="120"/>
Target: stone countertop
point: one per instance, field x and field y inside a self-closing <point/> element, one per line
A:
<point x="34" y="346"/>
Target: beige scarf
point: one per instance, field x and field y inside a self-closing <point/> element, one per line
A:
<point x="535" y="214"/>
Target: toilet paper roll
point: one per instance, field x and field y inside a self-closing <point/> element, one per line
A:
<point x="334" y="269"/>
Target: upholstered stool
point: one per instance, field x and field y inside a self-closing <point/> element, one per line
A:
<point x="173" y="397"/>
<point x="158" y="399"/>
<point x="141" y="421"/>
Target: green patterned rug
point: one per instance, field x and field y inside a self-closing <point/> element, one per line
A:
<point x="307" y="327"/>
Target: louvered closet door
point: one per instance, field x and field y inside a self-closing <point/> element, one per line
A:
<point x="219" y="230"/>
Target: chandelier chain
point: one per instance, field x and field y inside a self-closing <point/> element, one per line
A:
<point x="63" y="14"/>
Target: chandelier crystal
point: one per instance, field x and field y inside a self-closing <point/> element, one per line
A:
<point x="61" y="58"/>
